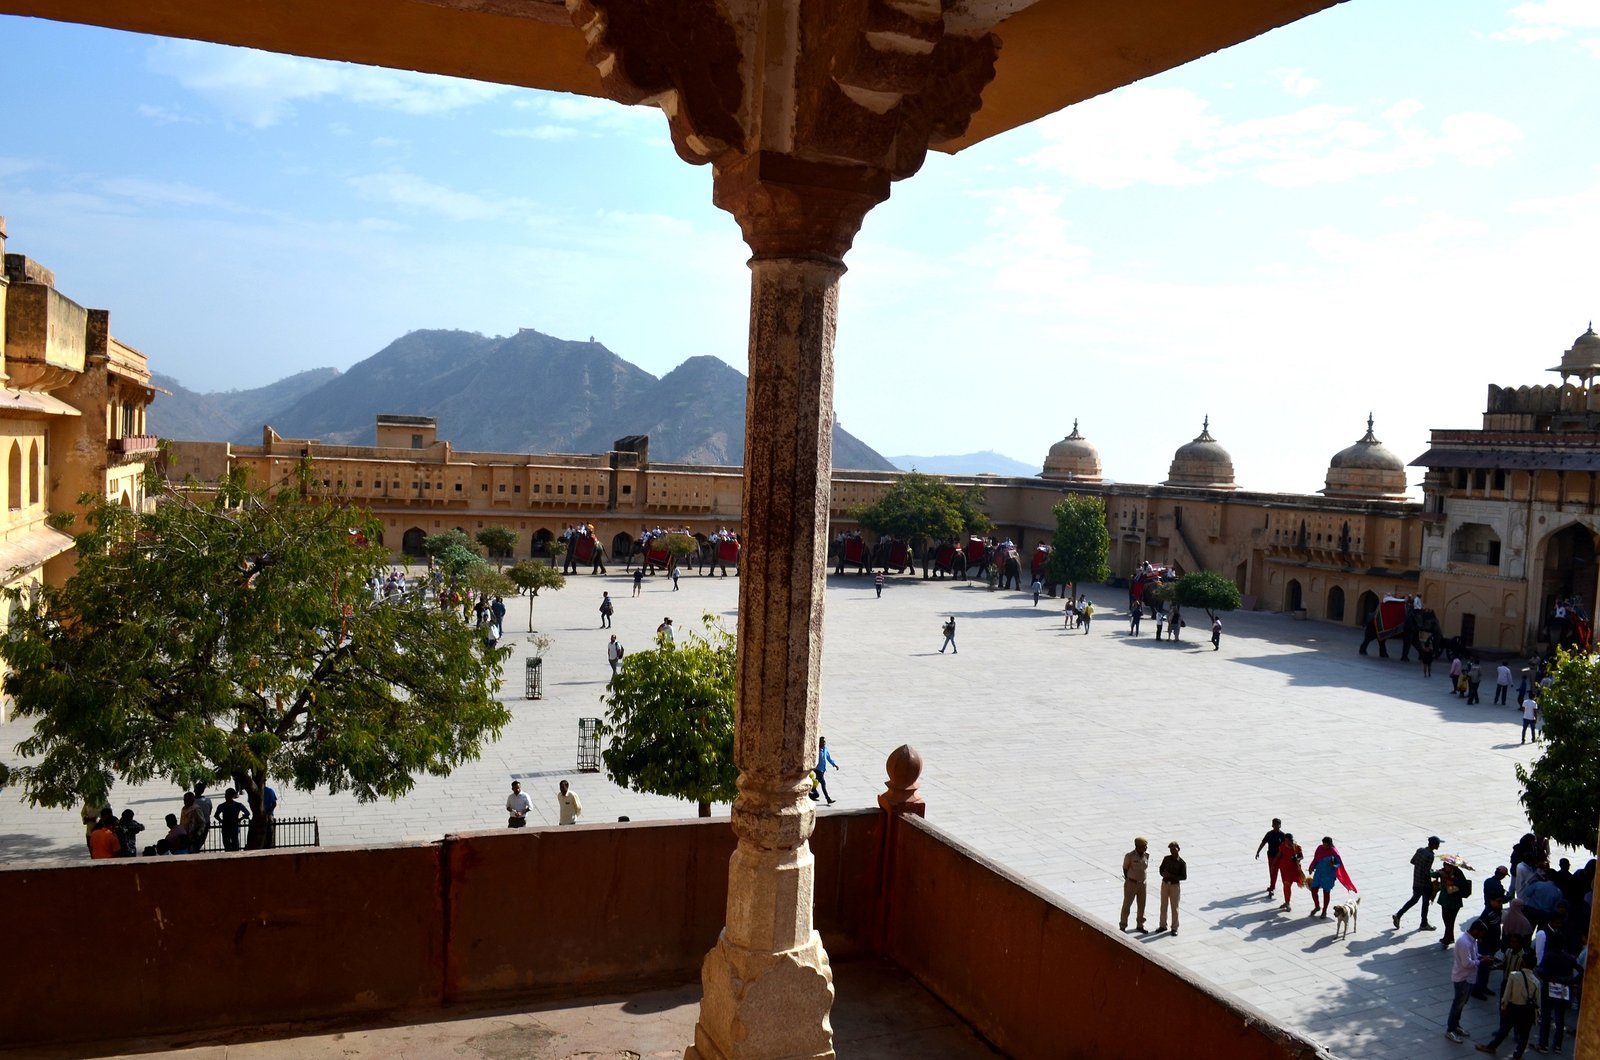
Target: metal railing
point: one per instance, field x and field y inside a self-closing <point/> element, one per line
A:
<point x="286" y="833"/>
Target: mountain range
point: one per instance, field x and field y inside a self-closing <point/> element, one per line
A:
<point x="527" y="392"/>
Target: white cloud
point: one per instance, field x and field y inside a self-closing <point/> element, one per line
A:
<point x="564" y="109"/>
<point x="262" y="89"/>
<point x="1550" y="20"/>
<point x="165" y="115"/>
<point x="1296" y="83"/>
<point x="411" y="192"/>
<point x="1170" y="136"/>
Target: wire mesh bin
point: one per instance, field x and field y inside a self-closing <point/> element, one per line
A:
<point x="588" y="745"/>
<point x="535" y="678"/>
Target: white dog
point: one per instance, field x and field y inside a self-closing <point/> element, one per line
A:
<point x="1344" y="915"/>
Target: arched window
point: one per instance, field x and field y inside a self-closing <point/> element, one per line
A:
<point x="14" y="477"/>
<point x="1336" y="604"/>
<point x="1292" y="600"/>
<point x="411" y="541"/>
<point x="35" y="474"/>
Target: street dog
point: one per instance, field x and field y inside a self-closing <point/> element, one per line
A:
<point x="1344" y="915"/>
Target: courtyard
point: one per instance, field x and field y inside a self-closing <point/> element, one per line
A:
<point x="1048" y="750"/>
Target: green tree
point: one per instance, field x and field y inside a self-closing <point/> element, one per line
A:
<point x="1081" y="543"/>
<point x="236" y="638"/>
<point x="1208" y="590"/>
<point x="529" y="576"/>
<point x="679" y="546"/>
<point x="498" y="541"/>
<point x="1561" y="792"/>
<point x="669" y="720"/>
<point x="925" y="507"/>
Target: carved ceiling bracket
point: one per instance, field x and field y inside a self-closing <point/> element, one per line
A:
<point x="806" y="109"/>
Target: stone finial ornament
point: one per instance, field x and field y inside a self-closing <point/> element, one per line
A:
<point x="904" y="767"/>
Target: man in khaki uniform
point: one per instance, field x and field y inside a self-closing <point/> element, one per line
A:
<point x="1134" y="865"/>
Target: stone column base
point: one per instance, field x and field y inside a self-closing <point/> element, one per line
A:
<point x="764" y="1006"/>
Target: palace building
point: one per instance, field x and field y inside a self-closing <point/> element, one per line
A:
<point x="1527" y="476"/>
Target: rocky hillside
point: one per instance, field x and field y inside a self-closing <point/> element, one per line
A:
<point x="527" y="392"/>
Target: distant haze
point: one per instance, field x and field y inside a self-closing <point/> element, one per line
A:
<point x="986" y="462"/>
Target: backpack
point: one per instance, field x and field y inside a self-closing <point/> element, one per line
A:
<point x="1466" y="887"/>
<point x="949" y="629"/>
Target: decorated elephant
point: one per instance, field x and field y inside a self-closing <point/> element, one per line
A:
<point x="1145" y="579"/>
<point x="1395" y="618"/>
<point x="720" y="552"/>
<point x="893" y="554"/>
<point x="851" y="550"/>
<point x="1009" y="563"/>
<point x="1039" y="569"/>
<point x="585" y="548"/>
<point x="944" y="558"/>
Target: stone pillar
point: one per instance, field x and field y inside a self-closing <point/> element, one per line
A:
<point x="1586" y="1040"/>
<point x="768" y="987"/>
<point x="806" y="110"/>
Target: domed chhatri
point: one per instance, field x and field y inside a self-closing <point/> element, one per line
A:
<point x="1366" y="471"/>
<point x="1073" y="457"/>
<point x="1582" y="361"/>
<point x="1202" y="464"/>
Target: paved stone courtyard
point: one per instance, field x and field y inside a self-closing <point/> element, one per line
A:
<point x="1049" y="750"/>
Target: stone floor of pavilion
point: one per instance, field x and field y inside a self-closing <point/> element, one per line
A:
<point x="1047" y="751"/>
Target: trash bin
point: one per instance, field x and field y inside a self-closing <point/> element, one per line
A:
<point x="535" y="678"/>
<point x="588" y="745"/>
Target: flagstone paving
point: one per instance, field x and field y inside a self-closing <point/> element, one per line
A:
<point x="1049" y="750"/>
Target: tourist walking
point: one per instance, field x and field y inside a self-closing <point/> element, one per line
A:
<point x="1530" y="719"/>
<point x="673" y="572"/>
<point x="1135" y="616"/>
<point x="1216" y="633"/>
<point x="1291" y="856"/>
<point x="497" y="611"/>
<point x="1325" y="866"/>
<point x="877" y="584"/>
<point x="1269" y="842"/>
<point x="614" y="654"/>
<point x="1463" y="973"/>
<point x="1175" y="622"/>
<point x="231" y="814"/>
<point x="517" y="806"/>
<point x="638" y="581"/>
<point x="1519" y="1004"/>
<point x="1135" y="863"/>
<point x="1454" y="887"/>
<point x="1161" y="620"/>
<point x="949" y="636"/>
<point x="824" y="761"/>
<point x="664" y="634"/>
<point x="570" y="805"/>
<point x="1037" y="587"/>
<point x="1085" y="614"/>
<point x="1421" y="882"/>
<point x="606" y="610"/>
<point x="1455" y="676"/>
<point x="1502" y="684"/>
<point x="1173" y="872"/>
<point x="1474" y="679"/>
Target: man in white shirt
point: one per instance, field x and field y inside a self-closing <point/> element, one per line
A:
<point x="1463" y="972"/>
<point x="517" y="805"/>
<point x="614" y="653"/>
<point x="1530" y="719"/>
<point x="571" y="808"/>
<point x="1502" y="684"/>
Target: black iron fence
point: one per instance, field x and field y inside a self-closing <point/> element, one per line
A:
<point x="286" y="832"/>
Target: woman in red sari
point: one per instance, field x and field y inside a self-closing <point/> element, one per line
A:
<point x="1290" y="856"/>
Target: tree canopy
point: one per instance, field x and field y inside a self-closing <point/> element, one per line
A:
<point x="1208" y="590"/>
<point x="529" y="576"/>
<point x="670" y="720"/>
<point x="1081" y="543"/>
<point x="498" y="541"/>
<point x="927" y="507"/>
<point x="1561" y="792"/>
<point x="236" y="638"/>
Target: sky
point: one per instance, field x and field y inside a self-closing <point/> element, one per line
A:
<point x="1384" y="207"/>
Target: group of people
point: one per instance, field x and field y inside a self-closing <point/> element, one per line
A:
<point x="1466" y="674"/>
<point x="1077" y="614"/>
<point x="1173" y="870"/>
<point x="1533" y="927"/>
<point x="1286" y="863"/>
<point x="113" y="836"/>
<point x="489" y="615"/>
<point x="387" y="586"/>
<point x="568" y="806"/>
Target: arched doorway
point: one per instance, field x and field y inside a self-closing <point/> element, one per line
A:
<point x="541" y="542"/>
<point x="1569" y="573"/>
<point x="411" y="541"/>
<point x="1292" y="599"/>
<point x="1368" y="605"/>
<point x="622" y="545"/>
<point x="1336" y="604"/>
